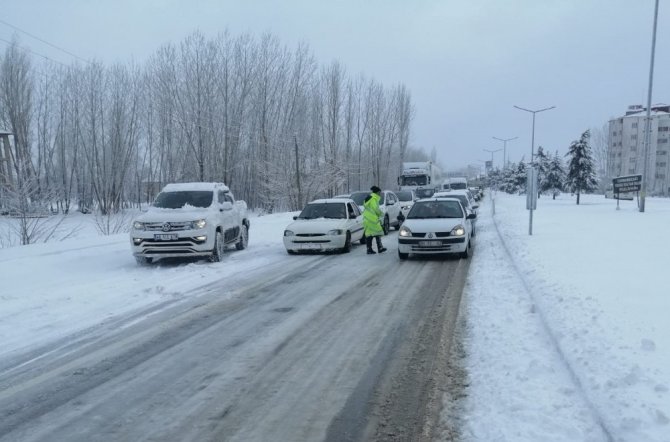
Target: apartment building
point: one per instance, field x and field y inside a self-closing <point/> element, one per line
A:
<point x="626" y="147"/>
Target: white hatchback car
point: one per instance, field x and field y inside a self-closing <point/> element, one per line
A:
<point x="323" y="225"/>
<point x="389" y="205"/>
<point x="436" y="226"/>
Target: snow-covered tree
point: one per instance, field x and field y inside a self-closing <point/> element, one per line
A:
<point x="542" y="162"/>
<point x="581" y="168"/>
<point x="554" y="179"/>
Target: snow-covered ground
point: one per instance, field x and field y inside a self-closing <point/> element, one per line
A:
<point x="567" y="335"/>
<point x="566" y="330"/>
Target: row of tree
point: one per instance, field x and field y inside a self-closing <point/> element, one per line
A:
<point x="554" y="177"/>
<point x="268" y="120"/>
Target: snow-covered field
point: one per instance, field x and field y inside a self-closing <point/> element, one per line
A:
<point x="567" y="335"/>
<point x="566" y="330"/>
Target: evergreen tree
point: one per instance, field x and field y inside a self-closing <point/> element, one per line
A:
<point x="581" y="167"/>
<point x="542" y="163"/>
<point x="554" y="179"/>
<point x="520" y="177"/>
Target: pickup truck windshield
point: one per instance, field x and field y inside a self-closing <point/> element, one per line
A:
<point x="178" y="199"/>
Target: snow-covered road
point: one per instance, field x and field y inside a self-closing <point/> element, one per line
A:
<point x="262" y="346"/>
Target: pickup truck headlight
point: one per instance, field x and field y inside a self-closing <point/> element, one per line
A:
<point x="335" y="232"/>
<point x="404" y="231"/>
<point x="288" y="233"/>
<point x="138" y="225"/>
<point x="199" y="224"/>
<point x="458" y="231"/>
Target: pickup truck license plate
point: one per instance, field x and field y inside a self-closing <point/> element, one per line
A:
<point x="311" y="247"/>
<point x="166" y="236"/>
<point x="430" y="243"/>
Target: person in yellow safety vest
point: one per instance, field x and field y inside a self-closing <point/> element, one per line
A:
<point x="372" y="225"/>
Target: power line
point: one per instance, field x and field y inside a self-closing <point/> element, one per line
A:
<point x="9" y="43"/>
<point x="44" y="41"/>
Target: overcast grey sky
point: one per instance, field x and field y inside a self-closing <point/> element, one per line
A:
<point x="466" y="62"/>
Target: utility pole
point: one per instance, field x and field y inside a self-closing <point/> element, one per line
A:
<point x="647" y="123"/>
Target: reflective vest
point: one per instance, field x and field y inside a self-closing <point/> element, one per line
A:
<point x="372" y="216"/>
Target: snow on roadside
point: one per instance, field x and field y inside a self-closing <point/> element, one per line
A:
<point x="595" y="289"/>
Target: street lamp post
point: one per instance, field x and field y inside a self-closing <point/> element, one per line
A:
<point x="492" y="152"/>
<point x="647" y="123"/>
<point x="532" y="153"/>
<point x="504" y="140"/>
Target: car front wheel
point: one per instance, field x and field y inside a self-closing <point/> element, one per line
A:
<point x="244" y="238"/>
<point x="465" y="254"/>
<point x="385" y="225"/>
<point x="347" y="244"/>
<point x="403" y="255"/>
<point x="219" y="248"/>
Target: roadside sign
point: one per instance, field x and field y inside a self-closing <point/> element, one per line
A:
<point x="630" y="183"/>
<point x="531" y="189"/>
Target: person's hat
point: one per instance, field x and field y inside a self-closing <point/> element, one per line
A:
<point x="375" y="189"/>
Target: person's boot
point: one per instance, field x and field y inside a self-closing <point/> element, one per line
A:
<point x="368" y="243"/>
<point x="380" y="247"/>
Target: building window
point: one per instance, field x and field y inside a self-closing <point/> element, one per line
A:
<point x="633" y="137"/>
<point x="618" y="154"/>
<point x="633" y="148"/>
<point x="661" y="164"/>
<point x="634" y="125"/>
<point x="631" y="170"/>
<point x="664" y="128"/>
<point x="660" y="176"/>
<point x="662" y="141"/>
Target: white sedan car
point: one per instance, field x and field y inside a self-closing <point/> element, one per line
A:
<point x="325" y="225"/>
<point x="436" y="226"/>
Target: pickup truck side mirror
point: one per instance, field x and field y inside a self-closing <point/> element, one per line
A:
<point x="472" y="216"/>
<point x="226" y="205"/>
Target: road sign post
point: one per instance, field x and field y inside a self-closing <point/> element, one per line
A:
<point x="531" y="195"/>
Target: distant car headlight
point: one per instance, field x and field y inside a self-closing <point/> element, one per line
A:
<point x="288" y="233"/>
<point x="458" y="231"/>
<point x="138" y="225"/>
<point x="406" y="207"/>
<point x="199" y="224"/>
<point x="335" y="232"/>
<point x="404" y="231"/>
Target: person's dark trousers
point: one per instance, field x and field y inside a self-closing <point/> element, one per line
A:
<point x="380" y="247"/>
<point x="368" y="243"/>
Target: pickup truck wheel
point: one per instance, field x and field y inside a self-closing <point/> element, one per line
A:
<point x="347" y="244"/>
<point x="386" y="225"/>
<point x="403" y="255"/>
<point x="244" y="238"/>
<point x="219" y="247"/>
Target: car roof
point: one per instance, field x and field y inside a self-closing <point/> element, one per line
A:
<point x="176" y="187"/>
<point x="331" y="201"/>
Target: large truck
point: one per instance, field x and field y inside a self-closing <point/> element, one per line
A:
<point x="417" y="175"/>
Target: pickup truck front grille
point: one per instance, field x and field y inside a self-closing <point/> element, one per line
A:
<point x="172" y="226"/>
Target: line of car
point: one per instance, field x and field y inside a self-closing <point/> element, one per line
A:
<point x="433" y="223"/>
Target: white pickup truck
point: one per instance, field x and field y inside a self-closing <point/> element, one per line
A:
<point x="190" y="219"/>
